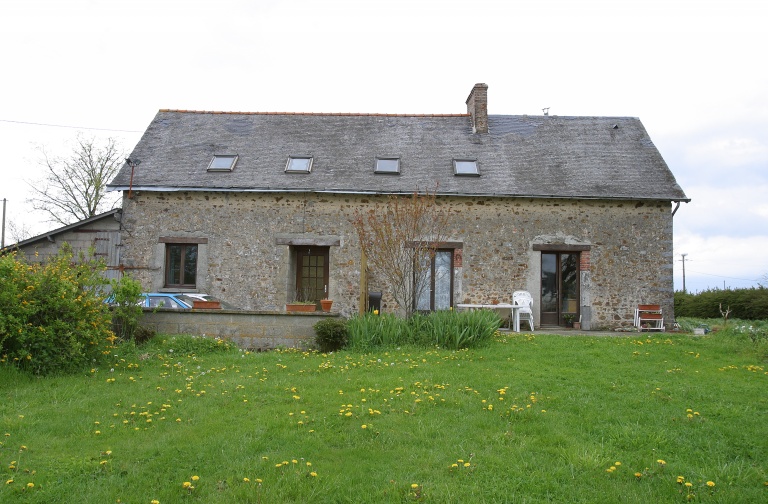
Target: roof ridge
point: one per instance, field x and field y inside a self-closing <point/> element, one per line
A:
<point x="182" y="111"/>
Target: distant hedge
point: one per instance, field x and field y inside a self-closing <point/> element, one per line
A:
<point x="746" y="304"/>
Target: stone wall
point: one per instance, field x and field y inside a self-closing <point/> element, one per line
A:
<point x="251" y="330"/>
<point x="627" y="246"/>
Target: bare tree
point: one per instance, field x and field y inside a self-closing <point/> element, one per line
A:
<point x="399" y="239"/>
<point x="18" y="231"/>
<point x="74" y="187"/>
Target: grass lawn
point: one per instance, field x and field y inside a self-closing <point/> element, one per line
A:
<point x="528" y="419"/>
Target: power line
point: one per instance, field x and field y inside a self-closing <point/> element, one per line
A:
<point x="727" y="277"/>
<point x="66" y="126"/>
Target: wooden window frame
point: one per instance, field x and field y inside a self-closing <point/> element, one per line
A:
<point x="183" y="255"/>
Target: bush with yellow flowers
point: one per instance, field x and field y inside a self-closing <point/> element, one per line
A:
<point x="52" y="314"/>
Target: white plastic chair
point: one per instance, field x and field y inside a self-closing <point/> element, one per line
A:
<point x="524" y="299"/>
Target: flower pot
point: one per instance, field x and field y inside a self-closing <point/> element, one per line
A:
<point x="206" y="305"/>
<point x="326" y="304"/>
<point x="299" y="307"/>
<point x="577" y="325"/>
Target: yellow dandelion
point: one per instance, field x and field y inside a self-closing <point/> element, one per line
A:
<point x="414" y="485"/>
<point x="195" y="478"/>
<point x="363" y="426"/>
<point x="246" y="480"/>
<point x="8" y="482"/>
<point x="155" y="501"/>
<point x="638" y="475"/>
<point x="313" y="474"/>
<point x="661" y="462"/>
<point x="689" y="484"/>
<point x="454" y="466"/>
<point x="680" y="480"/>
<point x="30" y="485"/>
<point x="186" y="484"/>
<point x="617" y="463"/>
<point x="467" y="464"/>
<point x="710" y="484"/>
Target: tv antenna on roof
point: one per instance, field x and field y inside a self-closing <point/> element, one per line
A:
<point x="546" y="111"/>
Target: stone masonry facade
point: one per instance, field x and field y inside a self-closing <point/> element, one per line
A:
<point x="245" y="254"/>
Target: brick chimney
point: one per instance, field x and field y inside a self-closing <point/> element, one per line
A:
<point x="477" y="107"/>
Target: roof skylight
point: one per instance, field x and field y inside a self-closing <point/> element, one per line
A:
<point x="299" y="164"/>
<point x="224" y="162"/>
<point x="387" y="165"/>
<point x="465" y="167"/>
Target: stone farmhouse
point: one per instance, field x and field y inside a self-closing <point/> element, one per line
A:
<point x="255" y="207"/>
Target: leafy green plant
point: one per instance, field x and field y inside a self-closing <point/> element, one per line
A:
<point x="126" y="308"/>
<point x="52" y="315"/>
<point x="371" y="330"/>
<point x="445" y="329"/>
<point x="746" y="304"/>
<point x="331" y="334"/>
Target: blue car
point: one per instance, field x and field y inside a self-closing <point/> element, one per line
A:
<point x="174" y="300"/>
<point x="166" y="300"/>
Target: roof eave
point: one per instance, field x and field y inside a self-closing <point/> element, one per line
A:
<point x="371" y="193"/>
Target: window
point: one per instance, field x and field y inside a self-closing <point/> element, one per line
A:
<point x="223" y="162"/>
<point x="299" y="164"/>
<point x="465" y="167"/>
<point x="387" y="165"/>
<point x="181" y="265"/>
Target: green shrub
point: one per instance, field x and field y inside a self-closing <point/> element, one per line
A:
<point x="126" y="308"/>
<point x="52" y="315"/>
<point x="331" y="334"/>
<point x="745" y="304"/>
<point x="457" y="330"/>
<point x="369" y="331"/>
<point x="445" y="329"/>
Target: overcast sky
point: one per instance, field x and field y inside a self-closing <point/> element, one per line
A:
<point x="694" y="72"/>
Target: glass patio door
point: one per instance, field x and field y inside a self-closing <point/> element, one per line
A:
<point x="559" y="287"/>
<point x="438" y="291"/>
<point x="311" y="273"/>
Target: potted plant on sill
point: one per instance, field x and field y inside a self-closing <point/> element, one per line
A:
<point x="326" y="304"/>
<point x="568" y="317"/>
<point x="302" y="303"/>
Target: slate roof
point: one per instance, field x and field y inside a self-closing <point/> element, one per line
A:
<point x="520" y="156"/>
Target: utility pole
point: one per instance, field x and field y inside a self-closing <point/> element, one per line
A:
<point x="683" y="259"/>
<point x="2" y="242"/>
